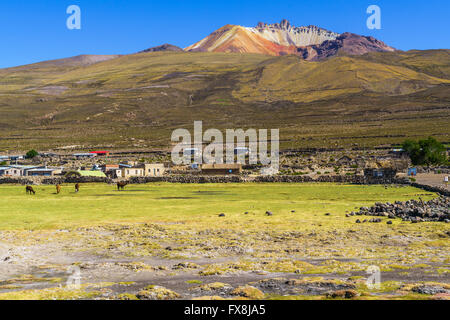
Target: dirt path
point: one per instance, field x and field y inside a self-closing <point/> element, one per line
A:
<point x="431" y="179"/>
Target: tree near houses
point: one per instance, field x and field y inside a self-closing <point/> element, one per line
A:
<point x="31" y="154"/>
<point x="425" y="152"/>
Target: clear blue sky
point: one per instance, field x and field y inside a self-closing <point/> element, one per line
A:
<point x="35" y="30"/>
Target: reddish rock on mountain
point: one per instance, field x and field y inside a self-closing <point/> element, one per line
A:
<point x="164" y="47"/>
<point x="348" y="43"/>
<point x="310" y="43"/>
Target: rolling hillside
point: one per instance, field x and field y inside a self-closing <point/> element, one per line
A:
<point x="135" y="101"/>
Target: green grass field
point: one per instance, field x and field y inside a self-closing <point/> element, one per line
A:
<point x="190" y="203"/>
<point x="146" y="230"/>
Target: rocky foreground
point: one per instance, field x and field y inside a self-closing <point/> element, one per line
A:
<point x="412" y="210"/>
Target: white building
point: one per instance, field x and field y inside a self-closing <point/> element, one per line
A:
<point x="154" y="170"/>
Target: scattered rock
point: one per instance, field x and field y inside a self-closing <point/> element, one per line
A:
<point x="347" y="294"/>
<point x="218" y="288"/>
<point x="157" y="293"/>
<point x="268" y="213"/>
<point x="414" y="211"/>
<point x="248" y="292"/>
<point x="185" y="265"/>
<point x="431" y="290"/>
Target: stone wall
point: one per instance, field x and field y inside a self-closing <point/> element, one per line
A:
<point x="52" y="180"/>
<point x="207" y="179"/>
<point x="190" y="179"/>
<point x="425" y="187"/>
<point x="274" y="179"/>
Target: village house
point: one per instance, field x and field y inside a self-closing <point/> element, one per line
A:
<point x="2" y="170"/>
<point x="380" y="172"/>
<point x="84" y="155"/>
<point x="48" y="172"/>
<point x="110" y="169"/>
<point x="129" y="172"/>
<point x="154" y="170"/>
<point x="18" y="170"/>
<point x="398" y="153"/>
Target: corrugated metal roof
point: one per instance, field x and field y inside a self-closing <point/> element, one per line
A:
<point x="43" y="169"/>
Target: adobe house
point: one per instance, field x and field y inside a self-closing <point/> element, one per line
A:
<point x="2" y="170"/>
<point x="84" y="155"/>
<point x="128" y="172"/>
<point x="380" y="173"/>
<point x="222" y="169"/>
<point x="47" y="172"/>
<point x="110" y="170"/>
<point x="154" y="169"/>
<point x="109" y="167"/>
<point x="18" y="171"/>
<point x="380" y="169"/>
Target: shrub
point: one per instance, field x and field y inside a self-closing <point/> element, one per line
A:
<point x="425" y="152"/>
<point x="31" y="154"/>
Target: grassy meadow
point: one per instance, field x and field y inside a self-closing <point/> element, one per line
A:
<point x="171" y="235"/>
<point x="196" y="204"/>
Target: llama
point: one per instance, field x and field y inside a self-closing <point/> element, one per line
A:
<point x="30" y="190"/>
<point x="121" y="185"/>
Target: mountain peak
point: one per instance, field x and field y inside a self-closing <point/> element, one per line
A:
<point x="283" y="25"/>
<point x="309" y="42"/>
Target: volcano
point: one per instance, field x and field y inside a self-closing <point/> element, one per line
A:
<point x="311" y="43"/>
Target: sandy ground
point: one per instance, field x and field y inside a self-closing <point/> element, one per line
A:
<point x="47" y="260"/>
<point x="435" y="180"/>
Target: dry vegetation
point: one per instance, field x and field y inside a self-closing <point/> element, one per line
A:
<point x="137" y="100"/>
<point x="167" y="241"/>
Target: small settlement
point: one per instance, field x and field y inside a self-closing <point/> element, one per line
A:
<point x="123" y="165"/>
